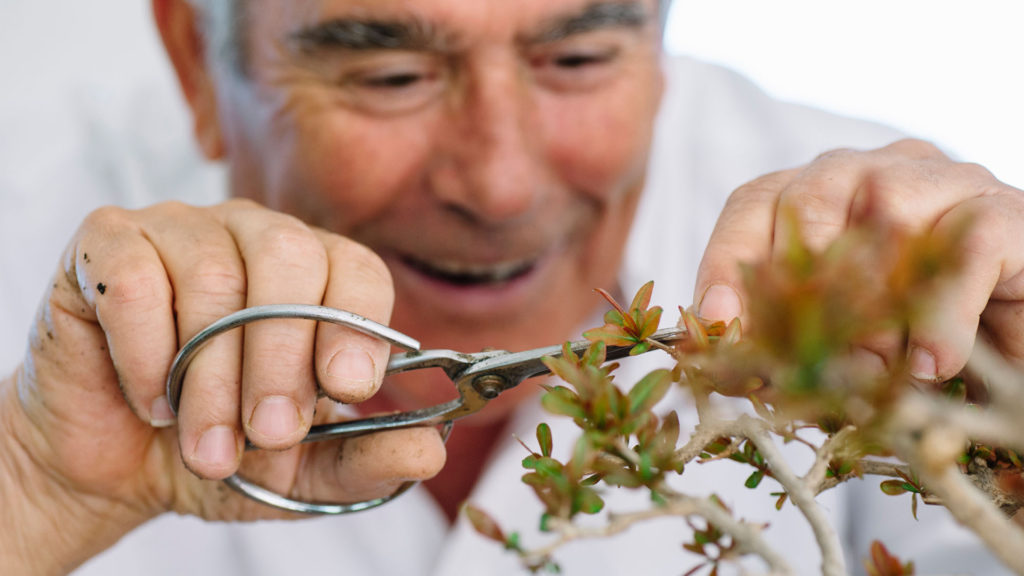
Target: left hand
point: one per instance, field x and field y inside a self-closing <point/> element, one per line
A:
<point x="910" y="184"/>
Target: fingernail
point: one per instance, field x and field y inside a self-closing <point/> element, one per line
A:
<point x="351" y="368"/>
<point x="160" y="415"/>
<point x="276" y="417"/>
<point x="720" y="302"/>
<point x="922" y="364"/>
<point x="217" y="445"/>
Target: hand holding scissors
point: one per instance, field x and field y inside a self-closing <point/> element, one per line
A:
<point x="477" y="377"/>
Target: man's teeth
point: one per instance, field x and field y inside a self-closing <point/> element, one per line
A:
<point x="465" y="274"/>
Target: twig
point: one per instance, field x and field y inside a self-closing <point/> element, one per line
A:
<point x="703" y="434"/>
<point x="824" y="454"/>
<point x="747" y="536"/>
<point x="832" y="563"/>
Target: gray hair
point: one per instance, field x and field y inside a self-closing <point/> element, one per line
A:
<point x="223" y="25"/>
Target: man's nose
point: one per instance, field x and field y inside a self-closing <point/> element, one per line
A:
<point x="490" y="163"/>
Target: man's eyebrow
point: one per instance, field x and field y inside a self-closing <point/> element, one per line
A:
<point x="360" y="34"/>
<point x="595" y="16"/>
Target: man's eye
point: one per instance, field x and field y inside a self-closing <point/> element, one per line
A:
<point x="580" y="60"/>
<point x="573" y="70"/>
<point x="393" y="89"/>
<point x="393" y="80"/>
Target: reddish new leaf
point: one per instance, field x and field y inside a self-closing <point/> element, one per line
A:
<point x="484" y="524"/>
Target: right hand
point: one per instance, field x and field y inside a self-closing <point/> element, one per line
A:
<point x="86" y="414"/>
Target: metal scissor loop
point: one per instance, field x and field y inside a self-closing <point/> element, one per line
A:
<point x="478" y="378"/>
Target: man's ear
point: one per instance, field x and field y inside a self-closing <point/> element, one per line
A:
<point x="186" y="45"/>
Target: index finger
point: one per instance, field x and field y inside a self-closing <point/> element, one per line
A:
<point x="743" y="234"/>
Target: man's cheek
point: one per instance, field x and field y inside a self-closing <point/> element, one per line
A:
<point x="353" y="169"/>
<point x="599" y="158"/>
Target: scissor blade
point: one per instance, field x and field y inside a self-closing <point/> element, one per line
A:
<point x="515" y="367"/>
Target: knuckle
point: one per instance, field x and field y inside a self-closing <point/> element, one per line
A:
<point x="836" y="155"/>
<point x="171" y="207"/>
<point x="292" y="245"/>
<point x="105" y="219"/>
<point x="974" y="172"/>
<point x="365" y="263"/>
<point x="988" y="233"/>
<point x="237" y="203"/>
<point x="915" y="148"/>
<point x="762" y="188"/>
<point x="137" y="289"/>
<point x="215" y="278"/>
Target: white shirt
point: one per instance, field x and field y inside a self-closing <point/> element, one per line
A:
<point x="67" y="151"/>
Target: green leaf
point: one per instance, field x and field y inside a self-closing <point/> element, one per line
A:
<point x="614" y="317"/>
<point x="596" y="354"/>
<point x="623" y="479"/>
<point x="610" y="335"/>
<point x="564" y="368"/>
<point x="646" y="467"/>
<point x="534" y="480"/>
<point x="649" y="390"/>
<point x="652" y="319"/>
<point x="658" y="499"/>
<point x="640" y="348"/>
<point x="758" y="459"/>
<point x="588" y="502"/>
<point x="548" y="467"/>
<point x="544" y="438"/>
<point x="580" y="458"/>
<point x="512" y="542"/>
<point x="754" y="479"/>
<point x="545" y="522"/>
<point x="643" y="297"/>
<point x="561" y="400"/>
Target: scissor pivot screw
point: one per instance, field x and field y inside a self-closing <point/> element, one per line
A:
<point x="489" y="385"/>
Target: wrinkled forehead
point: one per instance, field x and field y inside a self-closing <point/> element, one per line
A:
<point x="231" y="31"/>
<point x="485" y="17"/>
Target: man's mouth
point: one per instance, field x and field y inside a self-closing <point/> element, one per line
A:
<point x="463" y="274"/>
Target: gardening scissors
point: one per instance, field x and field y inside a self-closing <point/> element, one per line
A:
<point x="478" y="378"/>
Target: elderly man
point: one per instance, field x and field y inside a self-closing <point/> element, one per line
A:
<point x="466" y="172"/>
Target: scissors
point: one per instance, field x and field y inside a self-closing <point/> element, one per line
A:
<point x="478" y="378"/>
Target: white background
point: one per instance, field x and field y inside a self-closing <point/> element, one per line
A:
<point x="951" y="71"/>
<point x="948" y="70"/>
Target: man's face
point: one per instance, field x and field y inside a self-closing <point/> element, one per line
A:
<point x="491" y="151"/>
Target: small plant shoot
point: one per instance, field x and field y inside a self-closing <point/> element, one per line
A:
<point x="794" y="361"/>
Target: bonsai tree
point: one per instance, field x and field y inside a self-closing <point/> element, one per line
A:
<point x="957" y="443"/>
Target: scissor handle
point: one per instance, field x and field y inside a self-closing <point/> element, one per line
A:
<point x="301" y="311"/>
<point x="176" y="378"/>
